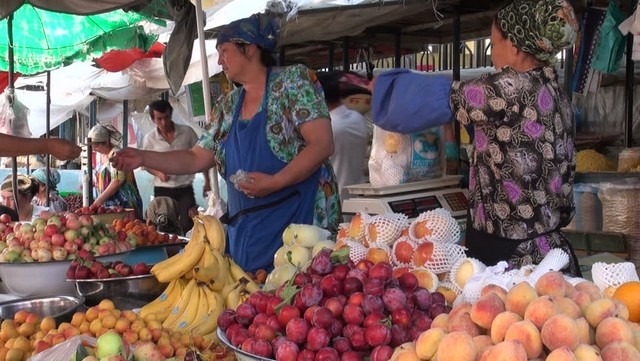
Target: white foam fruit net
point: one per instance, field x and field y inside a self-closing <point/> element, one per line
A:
<point x="403" y="242"/>
<point x="463" y="269"/>
<point x="357" y="251"/>
<point x="440" y="225"/>
<point x="555" y="260"/>
<point x="613" y="274"/>
<point x="435" y="281"/>
<point x="384" y="229"/>
<point x="443" y="257"/>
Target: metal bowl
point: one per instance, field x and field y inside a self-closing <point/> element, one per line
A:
<point x="129" y="292"/>
<point x="61" y="308"/>
<point x="43" y="279"/>
<point x="240" y="355"/>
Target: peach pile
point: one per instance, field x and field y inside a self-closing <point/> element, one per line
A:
<point x="552" y="320"/>
<point x="28" y="334"/>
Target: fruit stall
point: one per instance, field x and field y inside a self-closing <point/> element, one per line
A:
<point x="386" y="288"/>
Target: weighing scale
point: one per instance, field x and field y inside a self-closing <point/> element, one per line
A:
<point x="410" y="199"/>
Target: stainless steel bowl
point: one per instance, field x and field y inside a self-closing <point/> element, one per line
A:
<point x="131" y="292"/>
<point x="61" y="308"/>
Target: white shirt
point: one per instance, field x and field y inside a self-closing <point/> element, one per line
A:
<point x="185" y="138"/>
<point x="350" y="139"/>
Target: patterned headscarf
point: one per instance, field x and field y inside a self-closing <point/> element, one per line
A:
<point x="53" y="179"/>
<point x="104" y="133"/>
<point x="541" y="28"/>
<point x="163" y="212"/>
<point x="258" y="29"/>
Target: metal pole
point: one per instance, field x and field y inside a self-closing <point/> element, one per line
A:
<point x="125" y="123"/>
<point x="455" y="59"/>
<point x="332" y="50"/>
<point x="10" y="86"/>
<point x="48" y="135"/>
<point x="397" y="47"/>
<point x="628" y="90"/>
<point x="93" y="113"/>
<point x="345" y="54"/>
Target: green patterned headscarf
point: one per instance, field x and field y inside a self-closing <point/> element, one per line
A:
<point x="541" y="28"/>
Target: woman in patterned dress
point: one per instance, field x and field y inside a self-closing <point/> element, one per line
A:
<point x="116" y="188"/>
<point x="271" y="138"/>
<point x="56" y="203"/>
<point x="522" y="159"/>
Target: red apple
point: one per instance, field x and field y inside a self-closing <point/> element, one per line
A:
<point x="51" y="229"/>
<point x="5" y="218"/>
<point x="57" y="239"/>
<point x="71" y="247"/>
<point x="141" y="268"/>
<point x="86" y="220"/>
<point x="73" y="223"/>
<point x="124" y="270"/>
<point x="55" y="220"/>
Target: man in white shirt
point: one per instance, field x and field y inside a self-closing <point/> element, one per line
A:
<point x="171" y="136"/>
<point x="350" y="129"/>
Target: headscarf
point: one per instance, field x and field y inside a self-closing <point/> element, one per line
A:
<point x="103" y="133"/>
<point x="53" y="179"/>
<point x="25" y="184"/>
<point x="540" y="28"/>
<point x="258" y="29"/>
<point x="163" y="212"/>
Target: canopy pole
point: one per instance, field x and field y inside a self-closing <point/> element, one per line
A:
<point x="48" y="135"/>
<point x="125" y="123"/>
<point x="206" y="95"/>
<point x="10" y="87"/>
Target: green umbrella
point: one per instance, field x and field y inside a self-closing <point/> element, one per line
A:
<point x="45" y="40"/>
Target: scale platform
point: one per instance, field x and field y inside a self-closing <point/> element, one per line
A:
<point x="410" y="199"/>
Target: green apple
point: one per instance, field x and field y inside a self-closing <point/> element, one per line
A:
<point x="109" y="344"/>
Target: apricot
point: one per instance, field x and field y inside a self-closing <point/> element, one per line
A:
<point x="560" y="330"/>
<point x="77" y="319"/>
<point x="569" y="289"/>
<point x="428" y="342"/>
<point x="619" y="351"/>
<point x="540" y="310"/>
<point x="561" y="354"/>
<point x="106" y="304"/>
<point x="482" y="342"/>
<point x="20" y="317"/>
<point x="551" y="284"/>
<point x="591" y="289"/>
<point x="613" y="329"/>
<point x="582" y="299"/>
<point x="600" y="309"/>
<point x="457" y="346"/>
<point x="463" y="322"/>
<point x="486" y="309"/>
<point x="519" y="297"/>
<point x="498" y="290"/>
<point x="14" y="354"/>
<point x="586" y="333"/>
<point x="404" y="352"/>
<point x="426" y="279"/>
<point x="26" y="329"/>
<point x="501" y="324"/>
<point x="377" y="255"/>
<point x="528" y="335"/>
<point x="505" y="351"/>
<point x="568" y="307"/>
<point x="91" y="313"/>
<point x="441" y="321"/>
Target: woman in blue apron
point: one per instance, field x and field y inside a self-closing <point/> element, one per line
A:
<point x="270" y="139"/>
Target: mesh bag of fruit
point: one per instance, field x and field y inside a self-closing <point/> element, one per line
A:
<point x="402" y="252"/>
<point x="384" y="229"/>
<point x="613" y="274"/>
<point x="357" y="251"/>
<point x="436" y="225"/>
<point x="443" y="256"/>
<point x="357" y="226"/>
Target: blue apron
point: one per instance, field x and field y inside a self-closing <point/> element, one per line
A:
<point x="255" y="232"/>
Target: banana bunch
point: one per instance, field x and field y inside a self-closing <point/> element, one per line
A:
<point x="202" y="282"/>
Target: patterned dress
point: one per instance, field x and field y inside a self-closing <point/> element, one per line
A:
<point x="522" y="163"/>
<point x="295" y="98"/>
<point x="128" y="195"/>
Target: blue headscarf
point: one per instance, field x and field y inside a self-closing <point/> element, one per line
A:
<point x="258" y="29"/>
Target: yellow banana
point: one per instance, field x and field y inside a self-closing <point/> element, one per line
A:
<point x="181" y="263"/>
<point x="206" y="268"/>
<point x="223" y="276"/>
<point x="163" y="304"/>
<point x="203" y="309"/>
<point x="210" y="321"/>
<point x="181" y="306"/>
<point x="228" y="288"/>
<point x="214" y="231"/>
<point x="237" y="273"/>
<point x="191" y="311"/>
<point x="232" y="299"/>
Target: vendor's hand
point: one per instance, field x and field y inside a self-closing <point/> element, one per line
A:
<point x="127" y="159"/>
<point x="163" y="177"/>
<point x="259" y="184"/>
<point x="63" y="149"/>
<point x="96" y="204"/>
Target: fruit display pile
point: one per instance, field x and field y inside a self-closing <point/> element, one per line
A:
<point x="141" y="234"/>
<point x="334" y="311"/>
<point x="57" y="237"/>
<point x="202" y="282"/>
<point x="74" y="201"/>
<point x="85" y="266"/>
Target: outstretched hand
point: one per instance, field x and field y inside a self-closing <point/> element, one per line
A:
<point x="259" y="184"/>
<point x="63" y="149"/>
<point x="127" y="159"/>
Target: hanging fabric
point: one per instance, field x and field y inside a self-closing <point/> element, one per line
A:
<point x="611" y="42"/>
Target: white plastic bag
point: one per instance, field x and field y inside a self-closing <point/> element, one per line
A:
<point x="14" y="116"/>
<point x="400" y="158"/>
<point x="64" y="350"/>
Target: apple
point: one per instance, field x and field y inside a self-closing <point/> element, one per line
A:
<point x="85" y="231"/>
<point x="103" y="249"/>
<point x="57" y="239"/>
<point x="5" y="218"/>
<point x="34" y="244"/>
<point x="44" y="255"/>
<point x="86" y="255"/>
<point x="42" y="244"/>
<point x="71" y="247"/>
<point x="141" y="268"/>
<point x="82" y="273"/>
<point x="86" y="220"/>
<point x="70" y="234"/>
<point x="104" y="240"/>
<point x="73" y="223"/>
<point x="79" y="242"/>
<point x="124" y="270"/>
<point x="59" y="253"/>
<point x="45" y="215"/>
<point x="51" y="229"/>
<point x="55" y="220"/>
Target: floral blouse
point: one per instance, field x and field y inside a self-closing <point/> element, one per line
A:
<point x="523" y="159"/>
<point x="295" y="97"/>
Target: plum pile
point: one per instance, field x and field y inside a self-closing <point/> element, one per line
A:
<point x="334" y="312"/>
